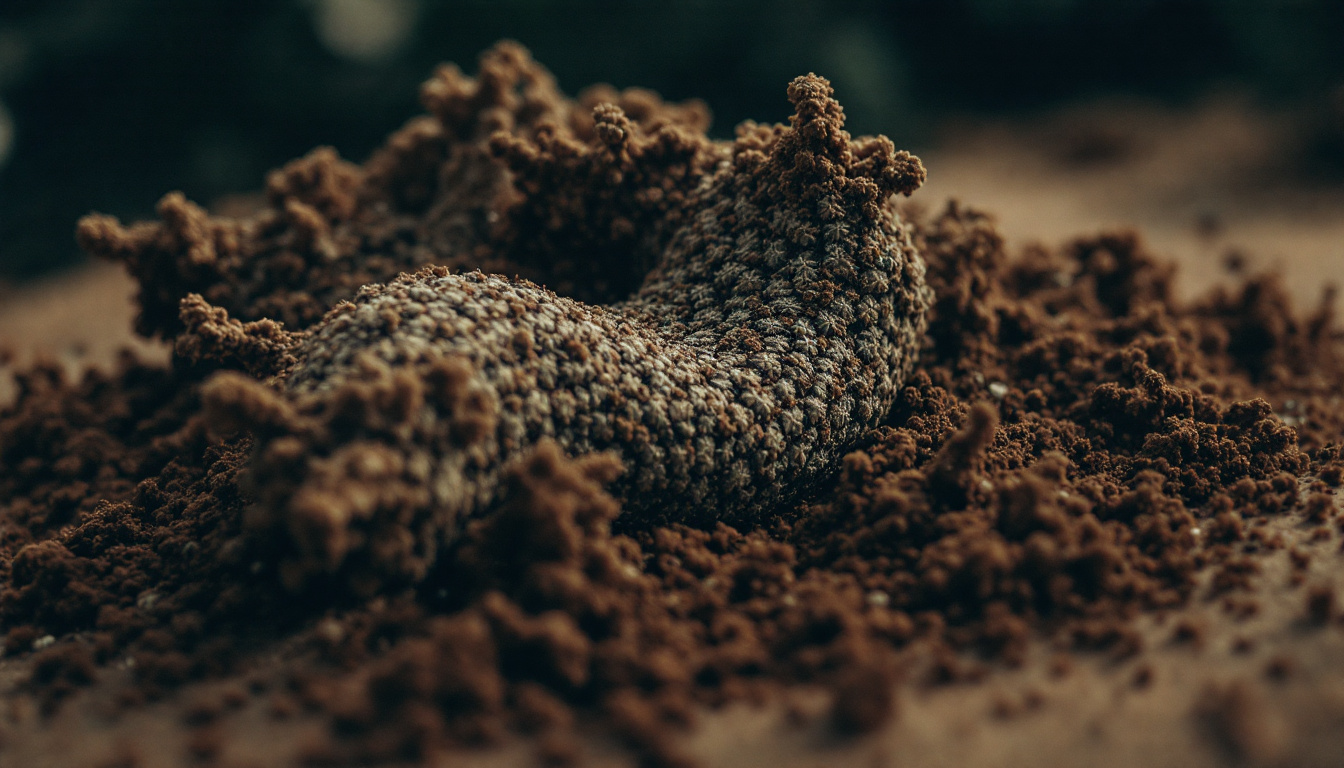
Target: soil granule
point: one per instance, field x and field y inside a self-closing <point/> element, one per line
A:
<point x="1072" y="449"/>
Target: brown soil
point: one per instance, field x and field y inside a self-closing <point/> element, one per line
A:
<point x="1097" y="526"/>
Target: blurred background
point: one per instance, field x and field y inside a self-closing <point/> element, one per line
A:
<point x="107" y="105"/>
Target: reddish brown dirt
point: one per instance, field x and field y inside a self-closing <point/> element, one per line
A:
<point x="1096" y="528"/>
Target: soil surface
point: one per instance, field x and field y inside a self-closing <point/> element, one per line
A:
<point x="1098" y="527"/>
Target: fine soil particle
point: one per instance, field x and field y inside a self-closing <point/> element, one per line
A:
<point x="1073" y="447"/>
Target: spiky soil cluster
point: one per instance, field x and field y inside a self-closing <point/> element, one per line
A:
<point x="1074" y="447"/>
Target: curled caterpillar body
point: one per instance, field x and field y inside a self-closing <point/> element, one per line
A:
<point x="784" y="310"/>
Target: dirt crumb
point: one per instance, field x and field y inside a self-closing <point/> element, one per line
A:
<point x="1234" y="715"/>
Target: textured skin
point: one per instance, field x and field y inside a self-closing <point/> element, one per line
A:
<point x="782" y="315"/>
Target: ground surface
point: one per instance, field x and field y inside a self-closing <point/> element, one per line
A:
<point x="1212" y="687"/>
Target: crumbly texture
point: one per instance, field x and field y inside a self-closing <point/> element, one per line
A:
<point x="1075" y="450"/>
<point x="776" y="326"/>
<point x="435" y="193"/>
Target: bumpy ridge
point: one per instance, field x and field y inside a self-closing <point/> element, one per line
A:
<point x="776" y="326"/>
